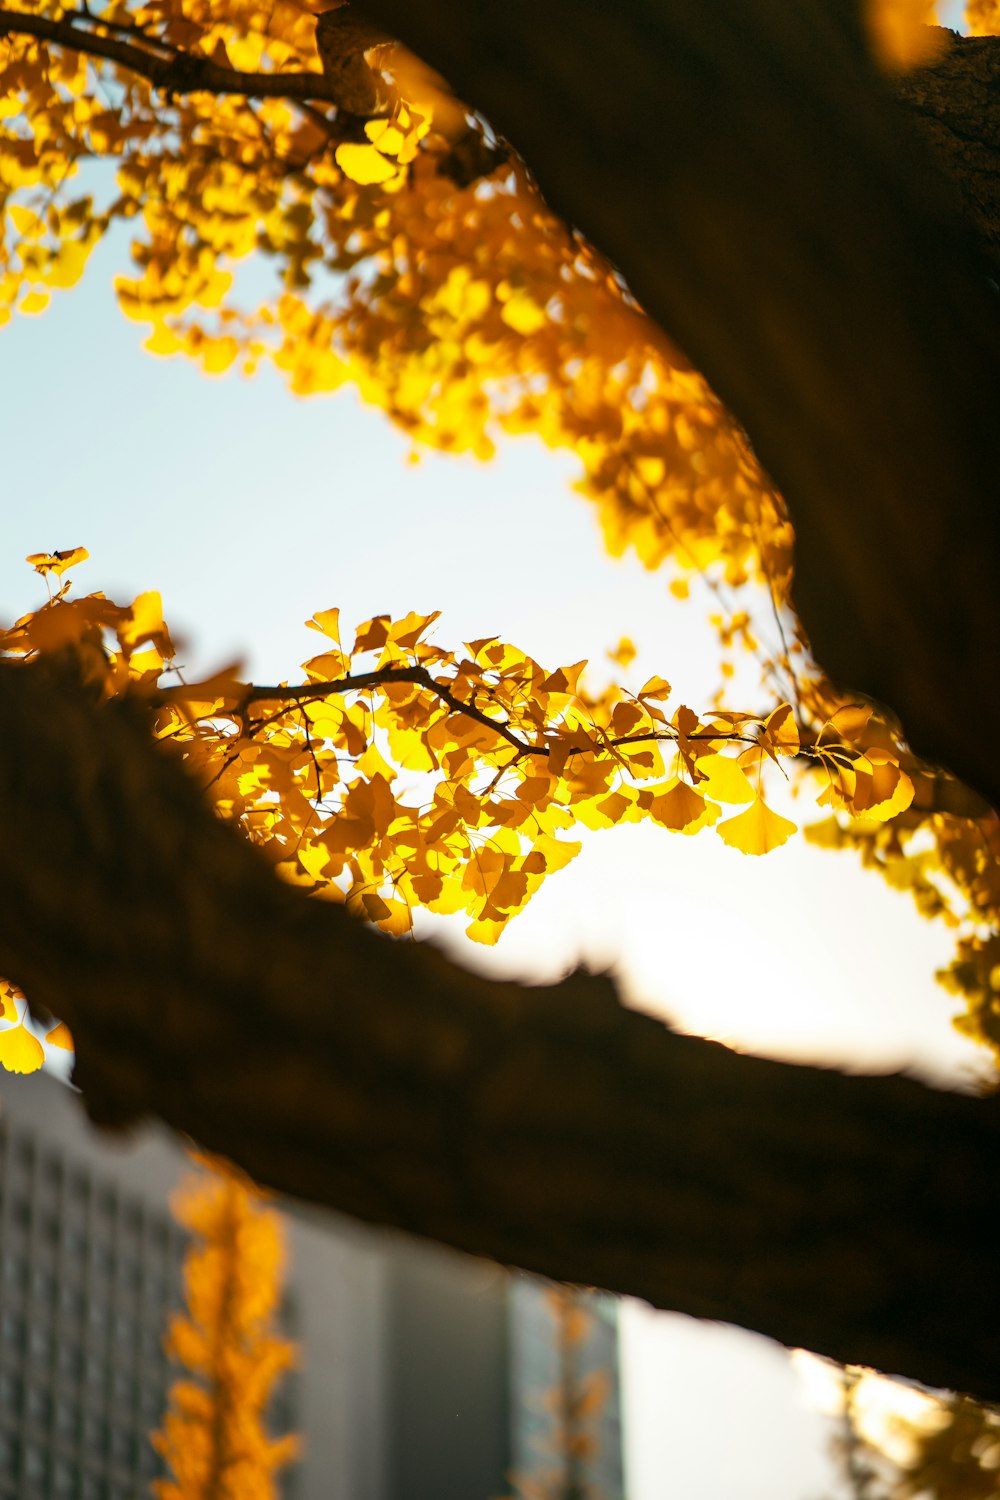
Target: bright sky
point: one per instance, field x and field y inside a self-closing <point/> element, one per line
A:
<point x="248" y="510"/>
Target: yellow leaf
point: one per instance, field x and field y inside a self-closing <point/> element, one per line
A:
<point x="20" y="1052"/>
<point x="849" y="722"/>
<point x="557" y="852"/>
<point x="781" y="733"/>
<point x="883" y="787"/>
<point x="26" y="222"/>
<point x="57" y="562"/>
<point x="386" y="136"/>
<point x="407" y="632"/>
<point x="163" y="341"/>
<point x="724" y="781"/>
<point x="327" y="621"/>
<point x="678" y="807"/>
<point x="60" y="1036"/>
<point x="373" y="634"/>
<point x="756" y="831"/>
<point x="146" y="625"/>
<point x="363" y="164"/>
<point x="523" y="315"/>
<point x="485" y="930"/>
<point x="68" y="264"/>
<point x="34" y="302"/>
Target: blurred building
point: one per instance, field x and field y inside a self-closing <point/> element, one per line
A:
<point x="423" y="1376"/>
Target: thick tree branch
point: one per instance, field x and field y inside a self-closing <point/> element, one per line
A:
<point x="956" y="106"/>
<point x="548" y="1128"/>
<point x="165" y="68"/>
<point x="173" y="71"/>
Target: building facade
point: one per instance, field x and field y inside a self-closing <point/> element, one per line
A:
<point x="422" y="1373"/>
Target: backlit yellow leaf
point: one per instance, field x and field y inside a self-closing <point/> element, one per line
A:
<point x="523" y="315"/>
<point x="363" y="164"/>
<point x="849" y="722"/>
<point x="725" y="781"/>
<point x="20" y="1052"/>
<point x="781" y="733"/>
<point x="35" y="302"/>
<point x="57" y="562"/>
<point x="678" y="807"/>
<point x="756" y="831"/>
<point x="26" y="221"/>
<point x="60" y="1036"/>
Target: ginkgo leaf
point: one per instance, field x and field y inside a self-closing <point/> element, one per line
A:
<point x="756" y="831"/>
<point x="328" y="622"/>
<point x="882" y="787"/>
<point x="386" y="136"/>
<point x="522" y="314"/>
<point x="363" y="164"/>
<point x="849" y="722"/>
<point x="57" y="562"/>
<point x="677" y="807"/>
<point x="780" y="735"/>
<point x="35" y="302"/>
<point x="60" y="1036"/>
<point x="724" y="780"/>
<point x="26" y="221"/>
<point x="486" y="930"/>
<point x="20" y="1051"/>
<point x="145" y="624"/>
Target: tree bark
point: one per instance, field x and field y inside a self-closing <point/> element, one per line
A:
<point x="954" y="105"/>
<point x="549" y="1128"/>
<point x="775" y="211"/>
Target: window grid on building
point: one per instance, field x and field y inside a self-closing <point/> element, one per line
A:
<point x="88" y="1275"/>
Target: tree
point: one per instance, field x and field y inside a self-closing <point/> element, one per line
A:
<point x="214" y="1436"/>
<point x="548" y="1128"/>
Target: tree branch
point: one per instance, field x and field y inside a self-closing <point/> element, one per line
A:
<point x="169" y="69"/>
<point x="548" y="1128"/>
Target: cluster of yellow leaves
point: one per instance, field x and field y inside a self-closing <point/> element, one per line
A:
<point x="213" y="1436"/>
<point x="397" y="774"/>
<point x="461" y="306"/>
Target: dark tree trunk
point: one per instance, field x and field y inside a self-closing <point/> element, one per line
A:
<point x="549" y="1128"/>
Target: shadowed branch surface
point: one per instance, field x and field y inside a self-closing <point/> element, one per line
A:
<point x="547" y="1127"/>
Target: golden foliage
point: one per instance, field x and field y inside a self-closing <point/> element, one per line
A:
<point x="399" y="774"/>
<point x="982" y="17"/>
<point x="461" y="305"/>
<point x="213" y="1436"/>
